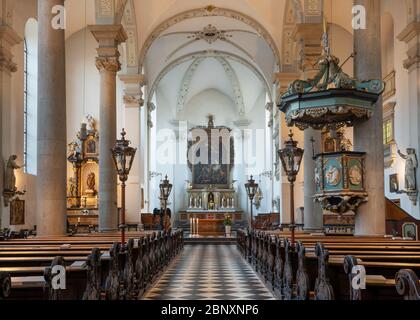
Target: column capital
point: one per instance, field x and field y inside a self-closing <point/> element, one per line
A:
<point x="410" y="31"/>
<point x="411" y="36"/>
<point x="133" y="79"/>
<point x="109" y="37"/>
<point x="308" y="31"/>
<point x="8" y="39"/>
<point x="309" y="37"/>
<point x="109" y="34"/>
<point x="111" y="64"/>
<point x="133" y="95"/>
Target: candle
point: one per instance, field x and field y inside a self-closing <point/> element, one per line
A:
<point x="191" y="227"/>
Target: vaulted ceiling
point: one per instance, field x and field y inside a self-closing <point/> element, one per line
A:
<point x="212" y="52"/>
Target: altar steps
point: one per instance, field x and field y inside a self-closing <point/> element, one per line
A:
<point x="209" y="239"/>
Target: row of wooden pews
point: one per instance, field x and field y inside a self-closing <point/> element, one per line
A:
<point x="96" y="266"/>
<point x="329" y="268"/>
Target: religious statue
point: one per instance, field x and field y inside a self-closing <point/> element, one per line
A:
<point x="91" y="183"/>
<point x="73" y="150"/>
<point x="10" y="178"/>
<point x="258" y="198"/>
<point x="72" y="187"/>
<point x="10" y="190"/>
<point x="411" y="165"/>
<point x="211" y="201"/>
<point x="91" y="123"/>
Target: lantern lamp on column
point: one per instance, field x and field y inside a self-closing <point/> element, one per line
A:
<point x="251" y="189"/>
<point x="165" y="191"/>
<point x="123" y="156"/>
<point x="291" y="157"/>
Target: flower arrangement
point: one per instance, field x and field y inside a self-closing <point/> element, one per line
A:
<point x="228" y="221"/>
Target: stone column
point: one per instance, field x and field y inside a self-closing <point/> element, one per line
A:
<point x="8" y="38"/>
<point x="283" y="80"/>
<point x="107" y="62"/>
<point x="411" y="36"/>
<point x="52" y="141"/>
<point x="133" y="101"/>
<point x="309" y="36"/>
<point x="312" y="211"/>
<point x="368" y="136"/>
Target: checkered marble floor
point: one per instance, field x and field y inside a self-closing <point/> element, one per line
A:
<point x="209" y="272"/>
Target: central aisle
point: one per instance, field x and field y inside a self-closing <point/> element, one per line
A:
<point x="209" y="272"/>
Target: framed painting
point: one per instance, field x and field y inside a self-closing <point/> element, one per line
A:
<point x="219" y="147"/>
<point x="211" y="174"/>
<point x="393" y="183"/>
<point x="409" y="230"/>
<point x="17" y="212"/>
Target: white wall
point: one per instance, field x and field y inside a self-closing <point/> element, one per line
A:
<point x="13" y="124"/>
<point x="224" y="110"/>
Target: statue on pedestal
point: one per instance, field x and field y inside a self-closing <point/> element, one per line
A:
<point x="10" y="178"/>
<point x="411" y="165"/>
<point x="73" y="151"/>
<point x="10" y="190"/>
<point x="91" y="123"/>
<point x="72" y="187"/>
<point x="91" y="182"/>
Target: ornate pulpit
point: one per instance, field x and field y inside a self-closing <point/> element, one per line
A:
<point x="340" y="189"/>
<point x="329" y="101"/>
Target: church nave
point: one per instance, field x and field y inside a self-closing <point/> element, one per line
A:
<point x="209" y="272"/>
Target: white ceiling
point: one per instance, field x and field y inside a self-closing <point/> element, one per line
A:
<point x="236" y="61"/>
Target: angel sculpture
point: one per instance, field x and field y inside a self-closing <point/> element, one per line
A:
<point x="91" y="123"/>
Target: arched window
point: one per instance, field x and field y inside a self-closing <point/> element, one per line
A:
<point x="30" y="95"/>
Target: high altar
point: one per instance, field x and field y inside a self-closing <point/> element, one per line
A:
<point x="211" y="196"/>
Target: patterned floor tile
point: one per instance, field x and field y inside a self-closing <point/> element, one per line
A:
<point x="209" y="272"/>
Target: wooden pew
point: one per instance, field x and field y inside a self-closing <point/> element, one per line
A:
<point x="311" y="263"/>
<point x="125" y="277"/>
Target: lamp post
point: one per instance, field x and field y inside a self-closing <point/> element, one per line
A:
<point x="123" y="156"/>
<point x="165" y="190"/>
<point x="251" y="189"/>
<point x="291" y="158"/>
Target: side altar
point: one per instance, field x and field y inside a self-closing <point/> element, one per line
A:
<point x="82" y="194"/>
<point x="211" y="195"/>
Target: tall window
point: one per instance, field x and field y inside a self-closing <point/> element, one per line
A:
<point x="388" y="132"/>
<point x="30" y="96"/>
